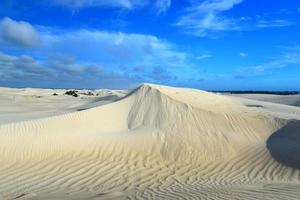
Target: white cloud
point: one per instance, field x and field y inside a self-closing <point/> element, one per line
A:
<point x="135" y="56"/>
<point x="127" y="4"/>
<point x="18" y="33"/>
<point x="115" y="48"/>
<point x="285" y="60"/>
<point x="209" y="16"/>
<point x="73" y="53"/>
<point x="273" y="23"/>
<point x="288" y="59"/>
<point x="203" y="56"/>
<point x="162" y="6"/>
<point x="242" y="54"/>
<point x="206" y="16"/>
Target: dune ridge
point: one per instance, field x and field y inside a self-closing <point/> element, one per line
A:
<point x="158" y="142"/>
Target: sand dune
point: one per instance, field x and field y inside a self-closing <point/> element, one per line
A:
<point x="158" y="142"/>
<point x="292" y="100"/>
<point x="34" y="103"/>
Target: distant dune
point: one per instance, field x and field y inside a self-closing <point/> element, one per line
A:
<point x="292" y="100"/>
<point x="18" y="104"/>
<point x="157" y="142"/>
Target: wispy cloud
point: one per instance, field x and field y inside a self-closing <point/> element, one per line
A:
<point x="206" y="16"/>
<point x="273" y="23"/>
<point x="162" y="6"/>
<point x="243" y="54"/>
<point x="288" y="59"/>
<point x="75" y="4"/>
<point x="209" y="16"/>
<point x="203" y="56"/>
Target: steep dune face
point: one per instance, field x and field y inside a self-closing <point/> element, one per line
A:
<point x="209" y="126"/>
<point x="157" y="143"/>
<point x="284" y="144"/>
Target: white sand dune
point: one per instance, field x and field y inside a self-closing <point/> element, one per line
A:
<point x="156" y="143"/>
<point x="34" y="103"/>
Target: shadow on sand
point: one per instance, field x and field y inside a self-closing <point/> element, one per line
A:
<point x="284" y="144"/>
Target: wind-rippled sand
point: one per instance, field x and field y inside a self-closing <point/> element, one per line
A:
<point x="158" y="142"/>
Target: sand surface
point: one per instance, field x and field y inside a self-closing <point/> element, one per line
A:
<point x="157" y="142"/>
<point x="33" y="103"/>
<point x="292" y="100"/>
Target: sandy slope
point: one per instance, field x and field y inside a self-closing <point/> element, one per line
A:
<point x="33" y="103"/>
<point x="157" y="143"/>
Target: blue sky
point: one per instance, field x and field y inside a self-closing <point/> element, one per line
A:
<point x="206" y="44"/>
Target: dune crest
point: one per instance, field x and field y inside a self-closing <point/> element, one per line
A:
<point x="197" y="122"/>
<point x="157" y="141"/>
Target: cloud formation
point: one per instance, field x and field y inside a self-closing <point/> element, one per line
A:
<point x="22" y="67"/>
<point x="203" y="56"/>
<point x="209" y="16"/>
<point x="112" y="47"/>
<point x="206" y="16"/>
<point x="162" y="6"/>
<point x="273" y="23"/>
<point x="287" y="59"/>
<point x="242" y="54"/>
<point x="92" y="54"/>
<point x="73" y="4"/>
<point x="18" y="33"/>
<point x="27" y="71"/>
<point x="28" y="68"/>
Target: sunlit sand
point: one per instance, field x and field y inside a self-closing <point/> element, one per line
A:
<point x="156" y="142"/>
